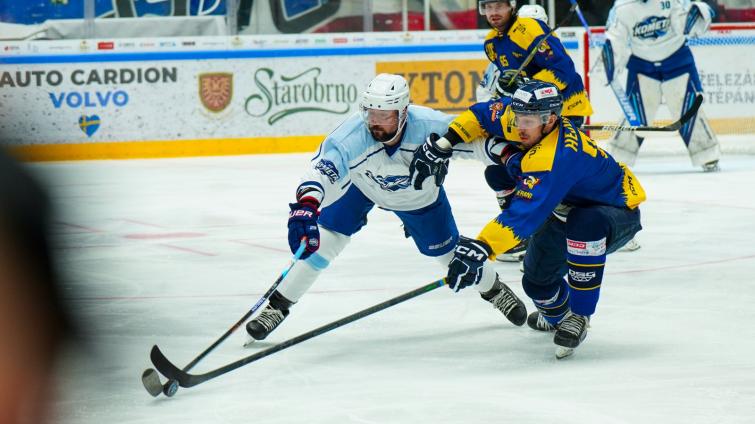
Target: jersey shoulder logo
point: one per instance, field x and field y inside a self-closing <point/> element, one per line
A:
<point x="328" y="169"/>
<point x="530" y="182"/>
<point x="652" y="27"/>
<point x="490" y="51"/>
<point x="390" y="182"/>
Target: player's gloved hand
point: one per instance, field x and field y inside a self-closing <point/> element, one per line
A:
<point x="302" y="222"/>
<point x="429" y="160"/>
<point x="465" y="269"/>
<point x="504" y="198"/>
<point x="508" y="82"/>
<point x="512" y="155"/>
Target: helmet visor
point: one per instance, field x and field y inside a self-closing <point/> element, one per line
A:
<point x="496" y="6"/>
<point x="383" y="124"/>
<point x="526" y="121"/>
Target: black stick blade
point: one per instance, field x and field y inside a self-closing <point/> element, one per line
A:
<point x="151" y="382"/>
<point x="691" y="112"/>
<point x="167" y="368"/>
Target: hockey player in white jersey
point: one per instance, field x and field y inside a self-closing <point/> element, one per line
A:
<point x="649" y="38"/>
<point x="363" y="163"/>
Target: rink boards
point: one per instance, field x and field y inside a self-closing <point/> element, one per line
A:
<point x="149" y="98"/>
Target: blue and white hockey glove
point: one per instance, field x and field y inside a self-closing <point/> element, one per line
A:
<point x="302" y="222"/>
<point x="429" y="160"/>
<point x="465" y="269"/>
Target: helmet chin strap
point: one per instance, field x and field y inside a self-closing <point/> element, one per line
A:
<point x="395" y="136"/>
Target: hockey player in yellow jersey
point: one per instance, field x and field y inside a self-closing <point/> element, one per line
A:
<point x="511" y="40"/>
<point x="507" y="46"/>
<point x="573" y="199"/>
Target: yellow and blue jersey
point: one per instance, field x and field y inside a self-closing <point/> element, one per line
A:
<point x="566" y="167"/>
<point x="508" y="50"/>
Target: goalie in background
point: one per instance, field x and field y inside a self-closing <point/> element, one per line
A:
<point x="649" y="38"/>
<point x="365" y="163"/>
<point x="34" y="324"/>
<point x="573" y="201"/>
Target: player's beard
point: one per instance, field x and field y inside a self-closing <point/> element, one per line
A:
<point x="379" y="134"/>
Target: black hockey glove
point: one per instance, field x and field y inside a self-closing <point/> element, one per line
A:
<point x="429" y="160"/>
<point x="465" y="269"/>
<point x="302" y="222"/>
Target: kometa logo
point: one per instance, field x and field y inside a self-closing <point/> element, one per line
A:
<point x="652" y="27"/>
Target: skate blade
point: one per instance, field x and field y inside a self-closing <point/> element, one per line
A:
<point x="503" y="257"/>
<point x="631" y="246"/>
<point x="249" y="341"/>
<point x="563" y="352"/>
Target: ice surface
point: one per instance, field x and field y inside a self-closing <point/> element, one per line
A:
<point x="172" y="252"/>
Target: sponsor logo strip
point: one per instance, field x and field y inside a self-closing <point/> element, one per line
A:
<point x="586" y="248"/>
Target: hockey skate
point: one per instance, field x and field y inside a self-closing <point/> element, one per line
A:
<point x="515" y="254"/>
<point x="507" y="302"/>
<point x="269" y="319"/>
<point x="537" y="321"/>
<point x="711" y="166"/>
<point x="570" y="333"/>
<point x="631" y="246"/>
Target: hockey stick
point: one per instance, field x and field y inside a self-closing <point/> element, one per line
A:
<point x="532" y="54"/>
<point x="190" y="380"/>
<point x="151" y="380"/>
<point x="618" y="90"/>
<point x="674" y="126"/>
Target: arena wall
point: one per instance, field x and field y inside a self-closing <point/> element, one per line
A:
<point x="150" y="98"/>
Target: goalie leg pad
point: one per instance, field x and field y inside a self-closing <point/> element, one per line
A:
<point x="698" y="136"/>
<point x="643" y="93"/>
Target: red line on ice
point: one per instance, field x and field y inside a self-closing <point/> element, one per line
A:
<point x="186" y="249"/>
<point x="80" y="227"/>
<point x="163" y="236"/>
<point x="261" y="246"/>
<point x="146" y="224"/>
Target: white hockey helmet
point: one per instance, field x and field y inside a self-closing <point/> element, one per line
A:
<point x="481" y="4"/>
<point x="533" y="11"/>
<point x="386" y="92"/>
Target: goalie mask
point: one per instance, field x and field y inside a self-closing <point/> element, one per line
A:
<point x="384" y="107"/>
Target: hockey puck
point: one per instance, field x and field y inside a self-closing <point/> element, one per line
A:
<point x="170" y="388"/>
<point x="152" y="382"/>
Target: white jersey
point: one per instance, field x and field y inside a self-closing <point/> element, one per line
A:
<point x="349" y="155"/>
<point x="653" y="30"/>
